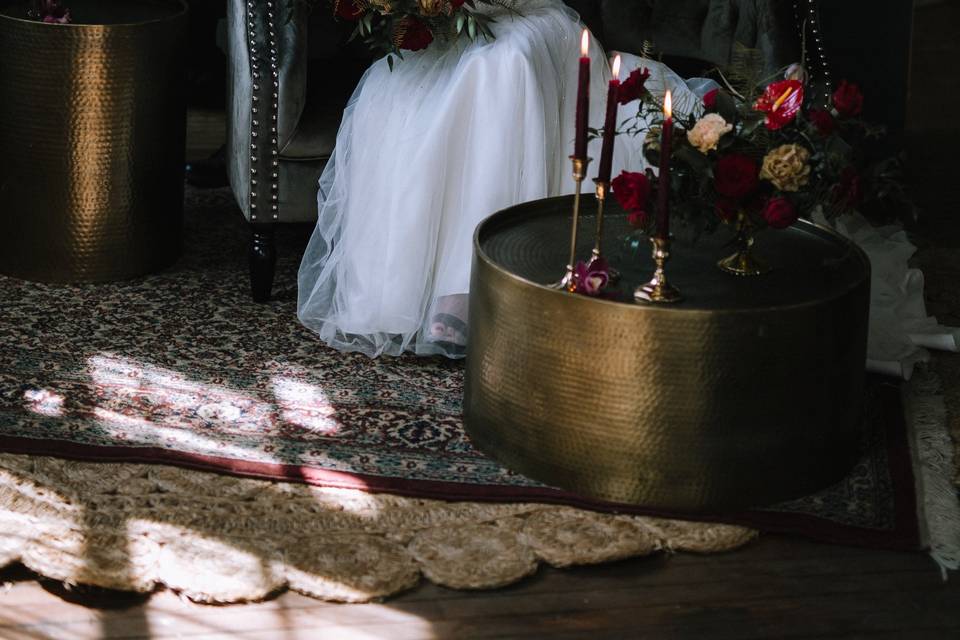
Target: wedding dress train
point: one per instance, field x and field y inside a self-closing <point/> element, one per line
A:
<point x="424" y="153"/>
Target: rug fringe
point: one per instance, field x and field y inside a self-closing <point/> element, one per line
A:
<point x="933" y="448"/>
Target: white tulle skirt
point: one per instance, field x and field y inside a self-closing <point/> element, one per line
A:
<point x="425" y="152"/>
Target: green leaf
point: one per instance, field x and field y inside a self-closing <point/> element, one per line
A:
<point x="726" y="106"/>
<point x="390" y="62"/>
<point x="751" y="123"/>
<point x="837" y="146"/>
<point x="461" y="21"/>
<point x="745" y="70"/>
<point x="698" y="162"/>
<point x="472" y="28"/>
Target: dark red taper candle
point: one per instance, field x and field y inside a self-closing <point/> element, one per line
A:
<point x="663" y="190"/>
<point x="583" y="98"/>
<point x="610" y="125"/>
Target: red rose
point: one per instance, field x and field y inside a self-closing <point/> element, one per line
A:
<point x="457" y="3"/>
<point x="736" y="176"/>
<point x="823" y="121"/>
<point x="847" y="100"/>
<point x="412" y="34"/>
<point x="347" y="9"/>
<point x="637" y="219"/>
<point x="632" y="191"/>
<point x="781" y="102"/>
<point x="779" y="213"/>
<point x="633" y="87"/>
<point x="849" y="191"/>
<point x="710" y="99"/>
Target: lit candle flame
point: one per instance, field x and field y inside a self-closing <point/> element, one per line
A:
<point x="585" y="43"/>
<point x="616" y="68"/>
<point x="668" y="105"/>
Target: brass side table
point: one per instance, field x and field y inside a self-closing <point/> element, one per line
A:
<point x="747" y="393"/>
<point x="92" y="128"/>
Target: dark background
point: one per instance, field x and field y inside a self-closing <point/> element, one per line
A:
<point x="866" y="41"/>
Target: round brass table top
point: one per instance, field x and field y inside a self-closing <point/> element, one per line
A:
<point x="810" y="263"/>
<point x="746" y="393"/>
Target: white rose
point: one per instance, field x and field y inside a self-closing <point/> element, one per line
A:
<point x="706" y="134"/>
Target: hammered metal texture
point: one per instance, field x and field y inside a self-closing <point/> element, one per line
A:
<point x="747" y="393"/>
<point x="92" y="126"/>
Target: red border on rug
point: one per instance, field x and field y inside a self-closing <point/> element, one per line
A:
<point x="904" y="536"/>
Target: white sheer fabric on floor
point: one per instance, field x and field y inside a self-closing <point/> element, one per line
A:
<point x="424" y="153"/>
<point x="901" y="332"/>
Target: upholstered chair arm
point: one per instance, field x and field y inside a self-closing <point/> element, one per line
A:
<point x="267" y="52"/>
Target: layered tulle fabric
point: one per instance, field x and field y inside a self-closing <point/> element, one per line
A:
<point x="425" y="152"/>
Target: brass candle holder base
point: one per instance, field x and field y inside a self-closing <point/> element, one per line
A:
<point x="744" y="262"/>
<point x="603" y="187"/>
<point x="569" y="281"/>
<point x="613" y="275"/>
<point x="658" y="290"/>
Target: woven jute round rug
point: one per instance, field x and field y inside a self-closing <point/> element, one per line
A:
<point x="222" y="539"/>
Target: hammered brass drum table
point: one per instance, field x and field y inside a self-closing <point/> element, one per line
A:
<point x="92" y="129"/>
<point x="747" y="393"/>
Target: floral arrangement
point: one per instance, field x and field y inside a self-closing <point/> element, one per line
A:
<point x="757" y="156"/>
<point x="49" y="11"/>
<point x="392" y="26"/>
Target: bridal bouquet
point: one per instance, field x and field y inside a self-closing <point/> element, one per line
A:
<point x="391" y="26"/>
<point x="757" y="155"/>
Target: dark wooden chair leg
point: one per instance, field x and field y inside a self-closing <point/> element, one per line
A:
<point x="263" y="259"/>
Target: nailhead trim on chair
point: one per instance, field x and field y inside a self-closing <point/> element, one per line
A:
<point x="808" y="20"/>
<point x="262" y="129"/>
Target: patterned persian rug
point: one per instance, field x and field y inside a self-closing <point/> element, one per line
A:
<point x="181" y="368"/>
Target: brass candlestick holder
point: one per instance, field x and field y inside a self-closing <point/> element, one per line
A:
<point x="603" y="187"/>
<point x="658" y="289"/>
<point x="568" y="281"/>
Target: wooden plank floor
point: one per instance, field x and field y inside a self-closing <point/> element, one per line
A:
<point x="776" y="588"/>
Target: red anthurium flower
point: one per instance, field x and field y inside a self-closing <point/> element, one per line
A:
<point x="347" y="9"/>
<point x="633" y="87"/>
<point x="710" y="99"/>
<point x="412" y="34"/>
<point x="736" y="176"/>
<point x="779" y="213"/>
<point x="781" y="102"/>
<point x="848" y="100"/>
<point x="632" y="191"/>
